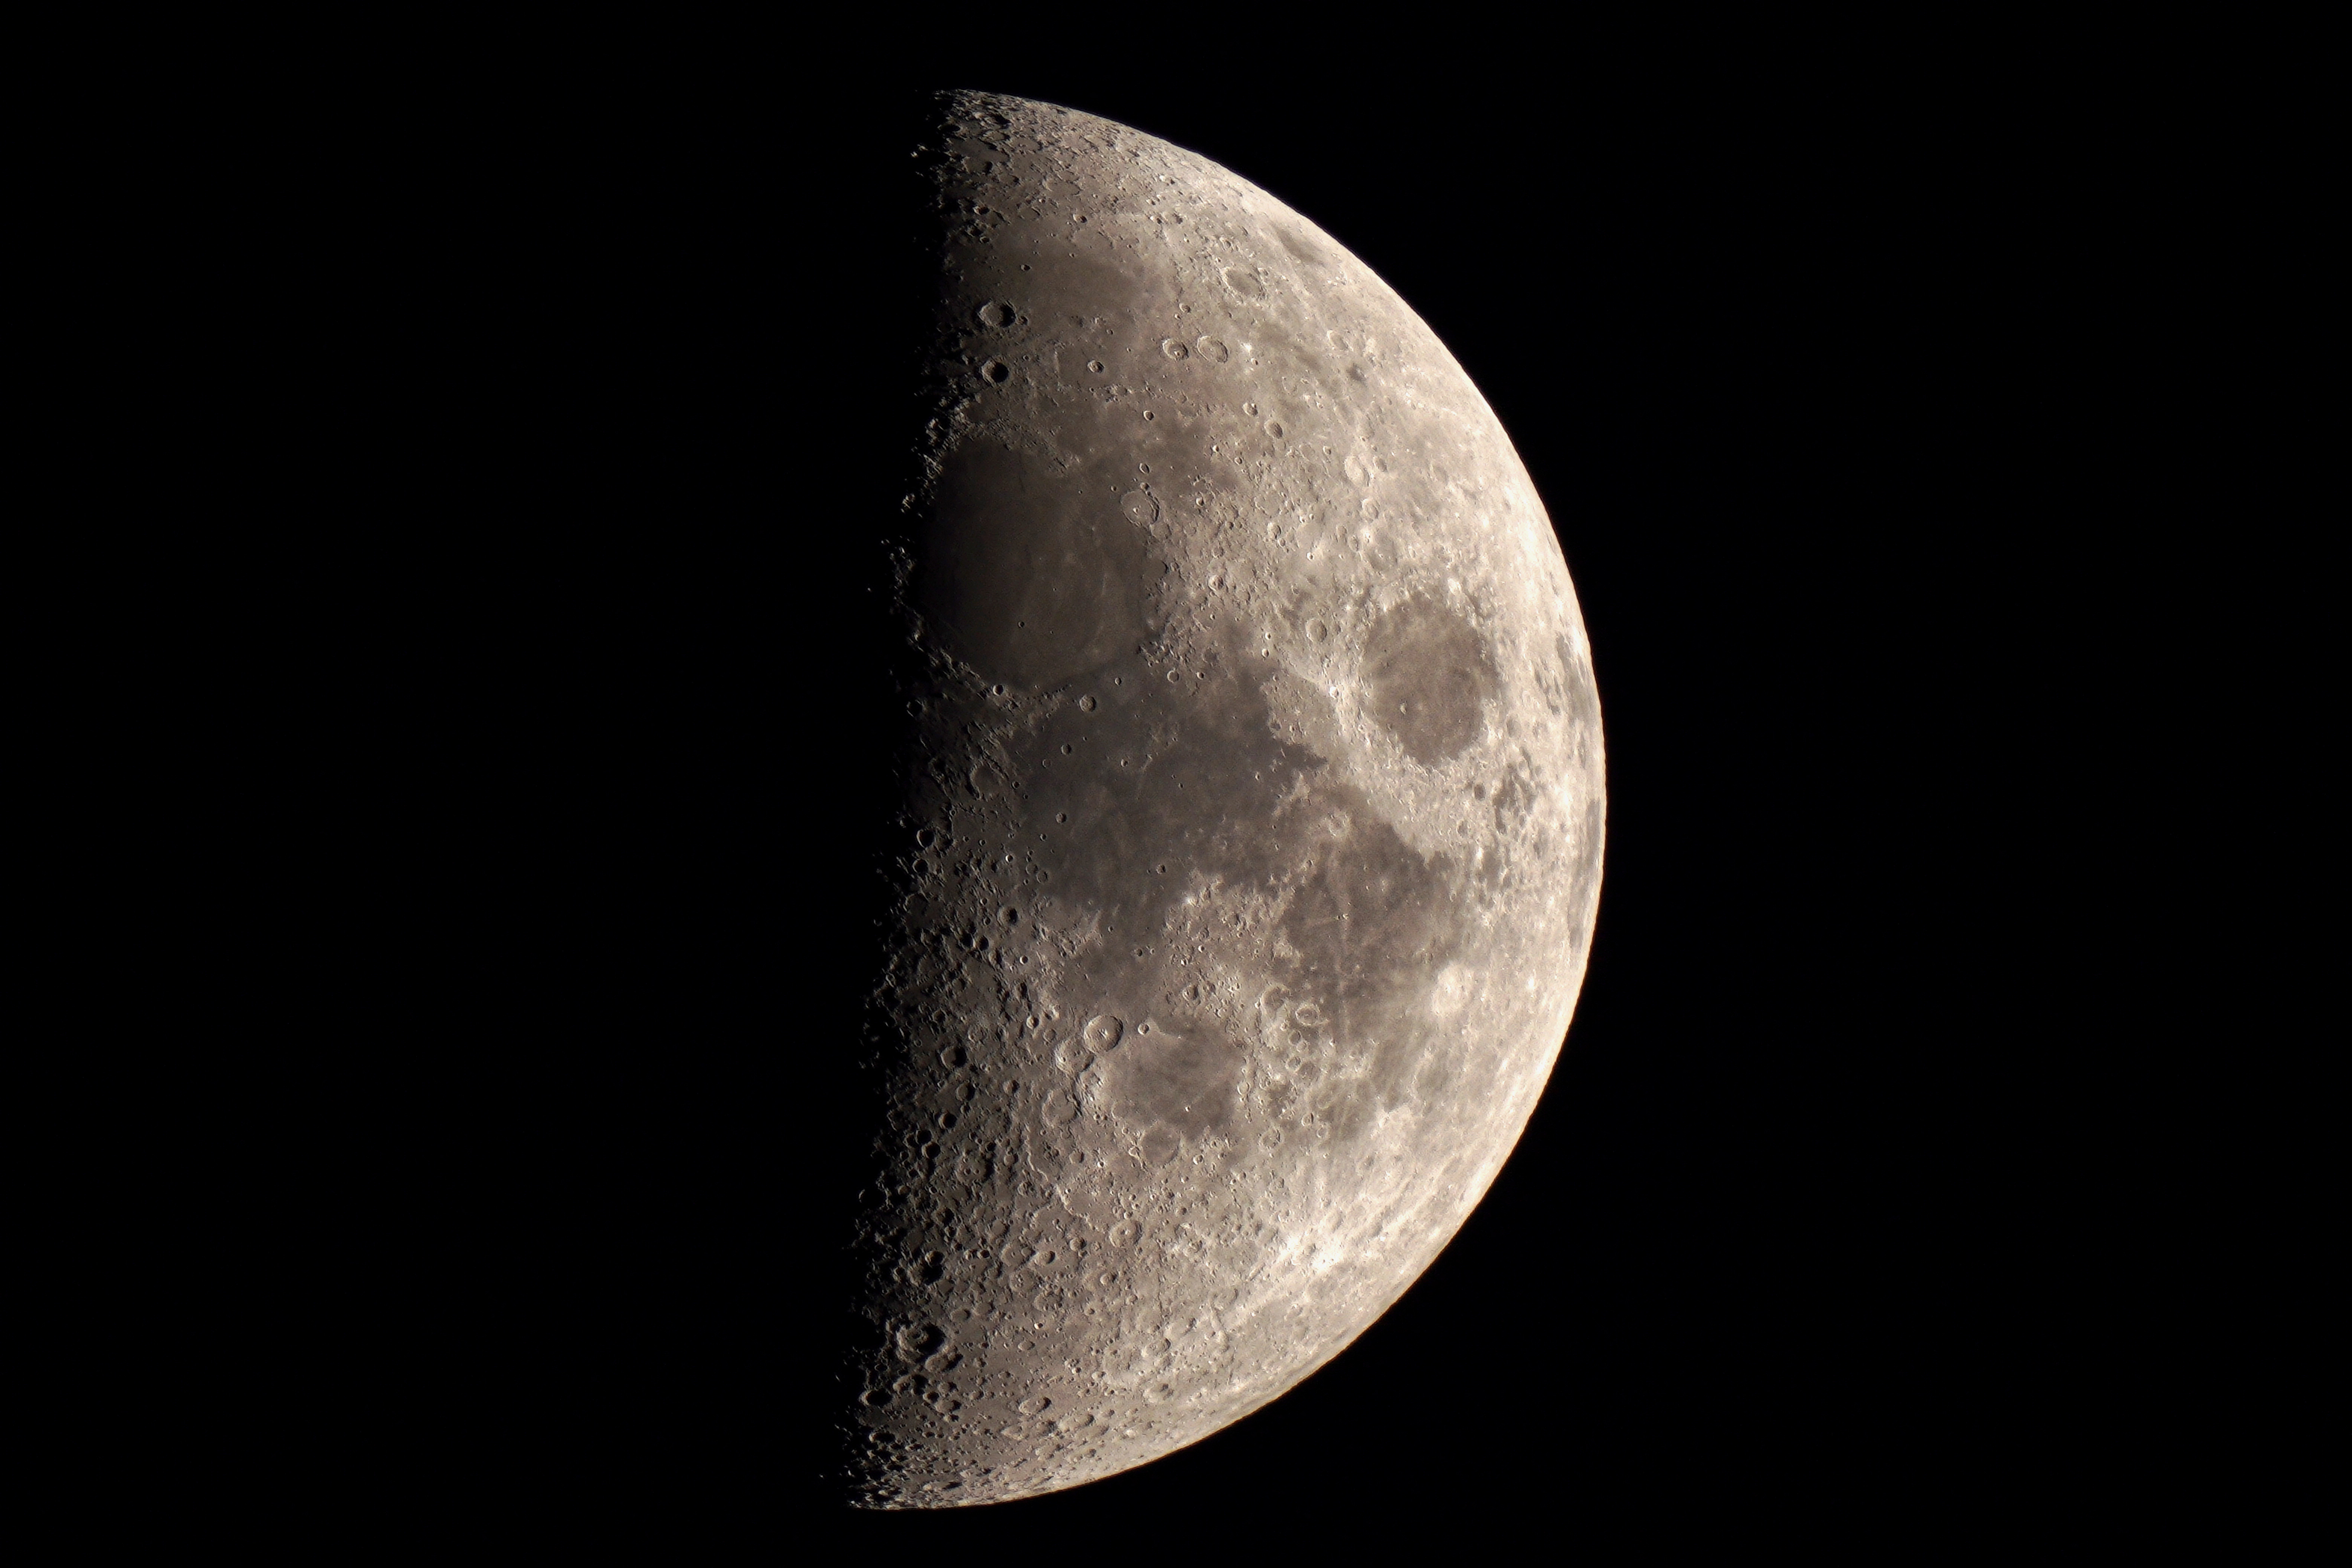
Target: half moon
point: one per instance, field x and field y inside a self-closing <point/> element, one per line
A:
<point x="1252" y="824"/>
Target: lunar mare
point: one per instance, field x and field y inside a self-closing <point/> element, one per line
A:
<point x="1252" y="818"/>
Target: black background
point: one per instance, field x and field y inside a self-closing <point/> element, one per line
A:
<point x="1756" y="348"/>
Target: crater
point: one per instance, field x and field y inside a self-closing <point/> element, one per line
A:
<point x="1430" y="677"/>
<point x="1184" y="1086"/>
<point x="1021" y="577"/>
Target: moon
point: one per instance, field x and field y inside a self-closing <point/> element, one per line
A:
<point x="1251" y="834"/>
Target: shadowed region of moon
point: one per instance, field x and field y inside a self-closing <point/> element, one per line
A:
<point x="1022" y="577"/>
<point x="1250" y="821"/>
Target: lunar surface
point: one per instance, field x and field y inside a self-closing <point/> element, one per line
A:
<point x="1251" y="826"/>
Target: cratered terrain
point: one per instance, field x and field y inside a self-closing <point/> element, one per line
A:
<point x="1251" y="821"/>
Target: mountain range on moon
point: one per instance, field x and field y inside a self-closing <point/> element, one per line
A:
<point x="1250" y="826"/>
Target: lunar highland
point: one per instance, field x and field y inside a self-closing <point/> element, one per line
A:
<point x="1252" y="824"/>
